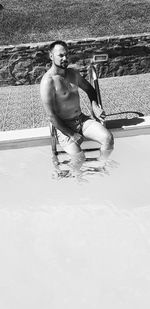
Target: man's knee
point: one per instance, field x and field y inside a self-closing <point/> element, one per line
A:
<point x="109" y="140"/>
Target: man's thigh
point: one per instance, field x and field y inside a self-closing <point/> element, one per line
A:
<point x="67" y="144"/>
<point x="95" y="131"/>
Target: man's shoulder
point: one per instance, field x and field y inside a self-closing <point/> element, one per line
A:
<point x="72" y="70"/>
<point x="73" y="74"/>
<point x="47" y="79"/>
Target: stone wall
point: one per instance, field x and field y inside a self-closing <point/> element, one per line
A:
<point x="26" y="64"/>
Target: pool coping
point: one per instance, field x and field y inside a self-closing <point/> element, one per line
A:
<point x="41" y="136"/>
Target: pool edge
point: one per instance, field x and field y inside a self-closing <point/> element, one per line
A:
<point x="41" y="136"/>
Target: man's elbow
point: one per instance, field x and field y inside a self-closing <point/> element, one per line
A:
<point x="92" y="94"/>
<point x="52" y="119"/>
<point x="49" y="113"/>
<point x="47" y="107"/>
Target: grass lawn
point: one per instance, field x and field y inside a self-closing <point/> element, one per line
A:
<point x="38" y="21"/>
<point x="122" y="97"/>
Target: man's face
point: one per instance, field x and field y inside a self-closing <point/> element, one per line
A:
<point x="59" y="56"/>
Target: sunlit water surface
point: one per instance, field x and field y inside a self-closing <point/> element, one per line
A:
<point x="66" y="243"/>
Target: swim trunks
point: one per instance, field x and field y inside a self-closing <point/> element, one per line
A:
<point x="76" y="125"/>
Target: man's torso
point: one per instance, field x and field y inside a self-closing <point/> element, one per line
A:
<point x="67" y="101"/>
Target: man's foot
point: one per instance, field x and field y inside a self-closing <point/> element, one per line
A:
<point x="102" y="164"/>
<point x="59" y="174"/>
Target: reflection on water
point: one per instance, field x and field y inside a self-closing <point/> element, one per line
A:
<point x="89" y="168"/>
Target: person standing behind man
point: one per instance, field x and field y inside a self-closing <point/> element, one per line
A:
<point x="61" y="100"/>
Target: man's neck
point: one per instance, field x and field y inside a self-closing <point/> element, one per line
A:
<point x="58" y="71"/>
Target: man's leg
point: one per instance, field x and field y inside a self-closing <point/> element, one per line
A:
<point x="95" y="131"/>
<point x="73" y="150"/>
<point x="77" y="157"/>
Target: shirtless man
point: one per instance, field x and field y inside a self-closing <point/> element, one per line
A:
<point x="60" y="97"/>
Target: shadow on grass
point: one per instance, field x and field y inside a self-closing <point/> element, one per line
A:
<point x="119" y="123"/>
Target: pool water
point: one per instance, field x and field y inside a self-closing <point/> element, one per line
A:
<point x="69" y="244"/>
<point x="26" y="175"/>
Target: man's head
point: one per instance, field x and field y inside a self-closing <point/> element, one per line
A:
<point x="59" y="54"/>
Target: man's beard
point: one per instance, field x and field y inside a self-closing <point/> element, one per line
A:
<point x="63" y="65"/>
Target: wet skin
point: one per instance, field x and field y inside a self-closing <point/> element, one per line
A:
<point x="67" y="104"/>
<point x="59" y="90"/>
<point x="60" y="97"/>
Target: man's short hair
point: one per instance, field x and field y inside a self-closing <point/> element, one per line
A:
<point x="58" y="42"/>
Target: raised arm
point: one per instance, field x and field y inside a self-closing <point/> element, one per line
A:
<point x="48" y="97"/>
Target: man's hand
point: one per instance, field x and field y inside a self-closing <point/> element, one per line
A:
<point x="77" y="138"/>
<point x="98" y="112"/>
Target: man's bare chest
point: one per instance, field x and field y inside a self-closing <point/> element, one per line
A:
<point x="65" y="88"/>
<point x="67" y="97"/>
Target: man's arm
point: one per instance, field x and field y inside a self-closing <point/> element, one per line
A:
<point x="98" y="111"/>
<point x="82" y="83"/>
<point x="91" y="92"/>
<point x="48" y="94"/>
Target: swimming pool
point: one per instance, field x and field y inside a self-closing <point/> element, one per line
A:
<point x="66" y="244"/>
